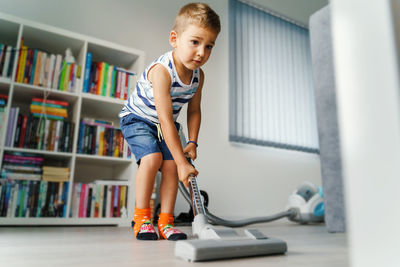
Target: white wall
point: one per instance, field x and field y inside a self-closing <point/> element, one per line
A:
<point x="368" y="83"/>
<point x="241" y="180"/>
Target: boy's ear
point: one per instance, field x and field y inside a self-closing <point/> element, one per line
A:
<point x="173" y="35"/>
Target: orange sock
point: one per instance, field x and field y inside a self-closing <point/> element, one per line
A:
<point x="166" y="228"/>
<point x="142" y="225"/>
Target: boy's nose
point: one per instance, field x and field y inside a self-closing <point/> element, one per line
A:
<point x="200" y="52"/>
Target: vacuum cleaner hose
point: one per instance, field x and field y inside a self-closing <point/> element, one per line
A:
<point x="237" y="223"/>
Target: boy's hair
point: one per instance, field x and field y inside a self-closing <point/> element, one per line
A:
<point x="198" y="14"/>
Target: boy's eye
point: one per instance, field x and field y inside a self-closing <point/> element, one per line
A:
<point x="195" y="42"/>
<point x="209" y="46"/>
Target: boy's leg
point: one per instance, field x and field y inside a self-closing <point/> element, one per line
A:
<point x="169" y="186"/>
<point x="145" y="177"/>
<point x="168" y="191"/>
<point x="144" y="183"/>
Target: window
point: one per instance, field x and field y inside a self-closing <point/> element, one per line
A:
<point x="272" y="94"/>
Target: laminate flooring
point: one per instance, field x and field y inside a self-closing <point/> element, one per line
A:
<point x="104" y="246"/>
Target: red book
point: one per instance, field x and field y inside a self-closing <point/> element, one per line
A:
<point x="23" y="131"/>
<point x="126" y="85"/>
<point x="48" y="101"/>
<point x="81" y="200"/>
<point x="29" y="65"/>
<point x="93" y="89"/>
<point x="118" y="91"/>
<point x="37" y="159"/>
<point x="112" y="201"/>
<point x="71" y="77"/>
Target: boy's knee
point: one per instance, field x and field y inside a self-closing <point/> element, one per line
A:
<point x="169" y="166"/>
<point x="152" y="161"/>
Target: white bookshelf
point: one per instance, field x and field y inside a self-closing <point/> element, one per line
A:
<point x="84" y="168"/>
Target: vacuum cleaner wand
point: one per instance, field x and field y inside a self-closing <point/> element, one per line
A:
<point x="197" y="203"/>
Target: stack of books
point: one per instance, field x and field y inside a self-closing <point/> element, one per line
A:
<point x="101" y="199"/>
<point x="7" y="55"/>
<point x="104" y="79"/>
<point x="21" y="166"/>
<point x="100" y="138"/>
<point x="44" y="129"/>
<point x="39" y="68"/>
<point x="24" y="194"/>
<point x="52" y="109"/>
<point x="55" y="174"/>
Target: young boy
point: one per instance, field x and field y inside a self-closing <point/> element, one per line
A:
<point x="148" y="119"/>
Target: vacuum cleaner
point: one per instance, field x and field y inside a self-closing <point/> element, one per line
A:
<point x="305" y="205"/>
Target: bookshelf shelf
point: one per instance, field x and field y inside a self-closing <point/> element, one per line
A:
<point x="4" y="81"/>
<point x="40" y="152"/>
<point x="93" y="159"/>
<point x="83" y="168"/>
<point x="65" y="221"/>
<point x="28" y="91"/>
<point x="98" y="98"/>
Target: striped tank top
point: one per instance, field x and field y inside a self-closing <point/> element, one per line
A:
<point x="141" y="101"/>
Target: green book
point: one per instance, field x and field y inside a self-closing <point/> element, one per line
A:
<point x="62" y="76"/>
<point x="66" y="78"/>
<point x="39" y="204"/>
<point x="105" y="74"/>
<point x="113" y="82"/>
<point x="22" y="199"/>
<point x="41" y="133"/>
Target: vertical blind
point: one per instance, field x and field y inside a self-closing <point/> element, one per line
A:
<point x="271" y="86"/>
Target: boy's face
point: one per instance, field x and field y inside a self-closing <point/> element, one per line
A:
<point x="193" y="46"/>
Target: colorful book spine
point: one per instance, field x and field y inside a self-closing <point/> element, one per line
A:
<point x="86" y="79"/>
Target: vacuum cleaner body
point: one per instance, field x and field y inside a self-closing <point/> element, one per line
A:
<point x="308" y="202"/>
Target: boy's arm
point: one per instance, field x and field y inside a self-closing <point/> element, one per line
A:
<point x="161" y="81"/>
<point x="194" y="118"/>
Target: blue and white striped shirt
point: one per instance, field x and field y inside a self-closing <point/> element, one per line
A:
<point x="141" y="101"/>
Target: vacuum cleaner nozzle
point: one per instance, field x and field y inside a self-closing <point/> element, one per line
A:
<point x="214" y="249"/>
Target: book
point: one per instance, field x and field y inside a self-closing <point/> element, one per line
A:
<point x="7" y="62"/>
<point x="63" y="71"/>
<point x="49" y="101"/>
<point x="67" y="77"/>
<point x="38" y="68"/>
<point x="14" y="126"/>
<point x="42" y="69"/>
<point x="101" y="78"/>
<point x="51" y="71"/>
<point x="57" y="69"/>
<point x="33" y="69"/>
<point x="101" y="201"/>
<point x="46" y="72"/>
<point x="109" y="81"/>
<point x="86" y="78"/>
<point x="29" y="63"/>
<point x="22" y="64"/>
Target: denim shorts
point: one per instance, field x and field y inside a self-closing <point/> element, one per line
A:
<point x="142" y="137"/>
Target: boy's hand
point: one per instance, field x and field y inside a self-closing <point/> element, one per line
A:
<point x="184" y="170"/>
<point x="190" y="151"/>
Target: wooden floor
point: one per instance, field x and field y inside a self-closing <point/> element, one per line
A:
<point x="115" y="246"/>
